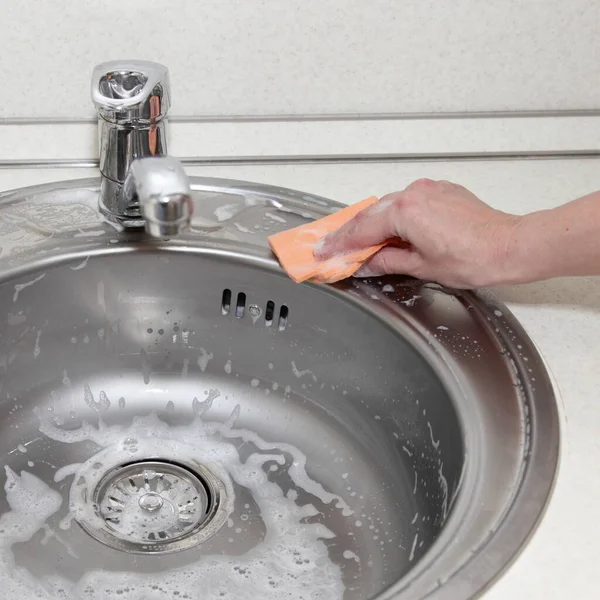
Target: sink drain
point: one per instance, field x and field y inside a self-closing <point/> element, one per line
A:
<point x="152" y="501"/>
<point x="154" y="506"/>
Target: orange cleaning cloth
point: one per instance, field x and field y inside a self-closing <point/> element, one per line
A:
<point x="294" y="248"/>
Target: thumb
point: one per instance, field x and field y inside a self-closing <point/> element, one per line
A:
<point x="391" y="261"/>
<point x="372" y="226"/>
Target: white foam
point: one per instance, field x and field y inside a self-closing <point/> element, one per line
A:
<point x="410" y="302"/>
<point x="349" y="555"/>
<point x="81" y="265"/>
<point x="19" y="287"/>
<point x="204" y="358"/>
<point x="444" y="483"/>
<point x="36" y="349"/>
<point x="241" y="228"/>
<point x="31" y="502"/>
<point x="66" y="471"/>
<point x="434" y="443"/>
<point x="96" y="233"/>
<point x="103" y="402"/>
<point x="227" y="211"/>
<point x="275" y="217"/>
<point x="414" y="546"/>
<point x="298" y="373"/>
<point x="292" y="560"/>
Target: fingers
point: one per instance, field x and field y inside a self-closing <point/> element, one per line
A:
<point x="372" y="226"/>
<point x="391" y="261"/>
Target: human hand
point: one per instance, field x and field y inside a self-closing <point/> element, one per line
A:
<point x="439" y="231"/>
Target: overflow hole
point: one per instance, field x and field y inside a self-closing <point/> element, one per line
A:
<point x="269" y="313"/>
<point x="241" y="305"/>
<point x="283" y="317"/>
<point x="226" y="302"/>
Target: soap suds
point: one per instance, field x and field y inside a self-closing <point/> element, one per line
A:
<point x="349" y="555"/>
<point x="31" y="503"/>
<point x="291" y="560"/>
<point x="36" y="349"/>
<point x="204" y="358"/>
<point x="19" y="287"/>
<point x="227" y="211"/>
<point x="241" y="228"/>
<point x="410" y="302"/>
<point x="81" y="265"/>
<point x="413" y="548"/>
<point x="434" y="443"/>
<point x="275" y="217"/>
<point x="444" y="484"/>
<point x="298" y="373"/>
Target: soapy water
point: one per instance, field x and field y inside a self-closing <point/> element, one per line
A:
<point x="227" y="212"/>
<point x="32" y="502"/>
<point x="291" y="561"/>
<point x="19" y="287"/>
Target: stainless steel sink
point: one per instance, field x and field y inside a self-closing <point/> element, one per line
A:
<point x="180" y="420"/>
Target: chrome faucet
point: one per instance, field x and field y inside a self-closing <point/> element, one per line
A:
<point x="140" y="185"/>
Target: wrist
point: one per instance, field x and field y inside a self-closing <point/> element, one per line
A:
<point x="523" y="252"/>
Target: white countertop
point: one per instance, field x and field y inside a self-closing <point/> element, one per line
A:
<point x="562" y="317"/>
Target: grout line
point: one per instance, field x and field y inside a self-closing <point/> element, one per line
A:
<point x="323" y="159"/>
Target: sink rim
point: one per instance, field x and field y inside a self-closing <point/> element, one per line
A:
<point x="473" y="575"/>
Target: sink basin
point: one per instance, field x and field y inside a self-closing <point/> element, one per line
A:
<point x="180" y="420"/>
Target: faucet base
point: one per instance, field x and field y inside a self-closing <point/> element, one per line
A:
<point x="108" y="201"/>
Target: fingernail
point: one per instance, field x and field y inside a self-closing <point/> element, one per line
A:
<point x="364" y="272"/>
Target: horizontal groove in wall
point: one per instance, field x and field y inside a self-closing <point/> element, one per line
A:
<point x="520" y="114"/>
<point x="270" y="142"/>
<point x="321" y="159"/>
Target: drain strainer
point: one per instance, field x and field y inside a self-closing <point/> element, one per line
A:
<point x="152" y="501"/>
<point x="151" y="506"/>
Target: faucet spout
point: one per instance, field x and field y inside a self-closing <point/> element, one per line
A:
<point x="159" y="188"/>
<point x="140" y="186"/>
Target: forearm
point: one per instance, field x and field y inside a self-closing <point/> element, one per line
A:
<point x="560" y="242"/>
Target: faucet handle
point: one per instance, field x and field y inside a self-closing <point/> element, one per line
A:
<point x="131" y="91"/>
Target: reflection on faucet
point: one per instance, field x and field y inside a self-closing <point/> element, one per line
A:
<point x="159" y="188"/>
<point x="140" y="185"/>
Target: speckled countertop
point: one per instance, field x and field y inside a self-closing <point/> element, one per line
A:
<point x="562" y="317"/>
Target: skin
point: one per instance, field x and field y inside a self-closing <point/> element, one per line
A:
<point x="442" y="232"/>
